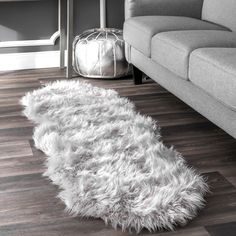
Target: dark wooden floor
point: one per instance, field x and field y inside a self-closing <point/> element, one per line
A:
<point x="28" y="206"/>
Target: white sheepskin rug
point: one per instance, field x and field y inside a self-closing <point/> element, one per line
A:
<point x="108" y="160"/>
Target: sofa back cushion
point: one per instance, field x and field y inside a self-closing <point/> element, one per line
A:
<point x="222" y="12"/>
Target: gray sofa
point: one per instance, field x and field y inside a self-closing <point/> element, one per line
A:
<point x="188" y="47"/>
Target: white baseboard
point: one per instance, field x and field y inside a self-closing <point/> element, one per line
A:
<point x="29" y="60"/>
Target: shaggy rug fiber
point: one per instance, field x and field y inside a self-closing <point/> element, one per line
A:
<point x="109" y="161"/>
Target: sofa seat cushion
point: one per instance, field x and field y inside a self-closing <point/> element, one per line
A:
<point x="172" y="49"/>
<point x="214" y="70"/>
<point x="138" y="31"/>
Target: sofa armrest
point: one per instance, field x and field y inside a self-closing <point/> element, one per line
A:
<point x="189" y="8"/>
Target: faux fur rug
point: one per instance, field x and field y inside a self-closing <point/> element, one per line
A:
<point x="109" y="161"/>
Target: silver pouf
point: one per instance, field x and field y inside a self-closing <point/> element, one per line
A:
<point x="100" y="53"/>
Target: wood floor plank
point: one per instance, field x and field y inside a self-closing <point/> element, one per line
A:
<point x="10" y="122"/>
<point x="16" y="183"/>
<point x="20" y="166"/>
<point x="13" y="134"/>
<point x="15" y="149"/>
<point x="227" y="229"/>
<point x="72" y="227"/>
<point x="198" y="231"/>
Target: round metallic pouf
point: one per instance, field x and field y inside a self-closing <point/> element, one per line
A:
<point x="100" y="53"/>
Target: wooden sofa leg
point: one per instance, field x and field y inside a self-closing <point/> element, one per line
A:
<point x="138" y="75"/>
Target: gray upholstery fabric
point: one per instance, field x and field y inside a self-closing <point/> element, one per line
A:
<point x="190" y="8"/>
<point x="172" y="49"/>
<point x="127" y="52"/>
<point x="222" y="12"/>
<point x="185" y="90"/>
<point x="214" y="70"/>
<point x="138" y="31"/>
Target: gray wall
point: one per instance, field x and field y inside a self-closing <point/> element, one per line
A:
<point x="38" y="20"/>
